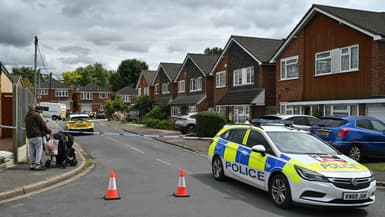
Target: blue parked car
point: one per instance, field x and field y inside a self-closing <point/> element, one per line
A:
<point x="356" y="137"/>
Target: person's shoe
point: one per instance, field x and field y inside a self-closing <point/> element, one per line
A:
<point x="39" y="167"/>
<point x="32" y="166"/>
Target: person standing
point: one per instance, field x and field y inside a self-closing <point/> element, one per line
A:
<point x="36" y="128"/>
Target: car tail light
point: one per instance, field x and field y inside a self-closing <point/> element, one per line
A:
<point x="343" y="132"/>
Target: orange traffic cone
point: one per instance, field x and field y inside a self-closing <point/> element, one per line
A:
<point x="181" y="190"/>
<point x="112" y="191"/>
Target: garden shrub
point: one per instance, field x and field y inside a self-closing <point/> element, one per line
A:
<point x="209" y="123"/>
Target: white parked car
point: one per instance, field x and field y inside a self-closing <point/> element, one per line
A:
<point x="303" y="122"/>
<point x="186" y="123"/>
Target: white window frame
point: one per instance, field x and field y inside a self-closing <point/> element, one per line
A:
<point x="221" y="109"/>
<point x="146" y="91"/>
<point x="349" y="55"/>
<point x="166" y="88"/>
<point x="220" y="79"/>
<point x="43" y="92"/>
<point x="195" y="84"/>
<point x="156" y="89"/>
<point x="285" y="65"/>
<point x="181" y="86"/>
<point x="126" y="98"/>
<point x="61" y="92"/>
<point x="192" y="109"/>
<point x="349" y="110"/>
<point x="241" y="113"/>
<point x="103" y="95"/>
<point x="139" y="91"/>
<point x="328" y="58"/>
<point x="86" y="95"/>
<point x="175" y="111"/>
<point x="243" y="76"/>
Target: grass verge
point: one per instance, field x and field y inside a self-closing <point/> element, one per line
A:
<point x="376" y="166"/>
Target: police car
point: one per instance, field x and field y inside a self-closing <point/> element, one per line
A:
<point x="79" y="122"/>
<point x="293" y="166"/>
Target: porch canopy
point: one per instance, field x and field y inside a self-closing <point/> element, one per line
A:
<point x="188" y="100"/>
<point x="254" y="96"/>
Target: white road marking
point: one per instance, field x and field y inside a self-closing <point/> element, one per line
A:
<point x="18" y="205"/>
<point x="136" y="149"/>
<point x="163" y="162"/>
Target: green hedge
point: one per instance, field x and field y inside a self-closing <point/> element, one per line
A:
<point x="167" y="124"/>
<point x="209" y="123"/>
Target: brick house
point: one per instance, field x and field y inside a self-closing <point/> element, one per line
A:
<point x="194" y="84"/>
<point x="244" y="86"/>
<point x="143" y="86"/>
<point x="6" y="101"/>
<point x="332" y="63"/>
<point x="91" y="98"/>
<point x="56" y="91"/>
<point x="17" y="80"/>
<point x="128" y="95"/>
<point x="165" y="89"/>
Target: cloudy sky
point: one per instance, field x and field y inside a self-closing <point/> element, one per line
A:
<point x="74" y="33"/>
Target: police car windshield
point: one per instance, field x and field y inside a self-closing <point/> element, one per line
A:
<point x="299" y="143"/>
<point x="80" y="118"/>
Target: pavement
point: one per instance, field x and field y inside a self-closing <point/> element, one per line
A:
<point x="18" y="181"/>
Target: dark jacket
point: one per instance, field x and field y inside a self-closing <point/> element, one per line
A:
<point x="35" y="125"/>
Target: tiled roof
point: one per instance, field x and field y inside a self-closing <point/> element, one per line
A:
<point x="171" y="69"/>
<point x="240" y="97"/>
<point x="54" y="84"/>
<point x="260" y="48"/>
<point x="204" y="61"/>
<point x="188" y="100"/>
<point x="369" y="20"/>
<point x="149" y="75"/>
<point x="128" y="90"/>
<point x="163" y="100"/>
<point x="15" y="78"/>
<point x="93" y="88"/>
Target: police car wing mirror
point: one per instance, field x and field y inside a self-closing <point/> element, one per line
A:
<point x="259" y="148"/>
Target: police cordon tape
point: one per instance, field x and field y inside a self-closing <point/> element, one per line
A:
<point x="120" y="134"/>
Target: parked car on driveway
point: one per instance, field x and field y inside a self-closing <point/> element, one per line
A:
<point x="356" y="137"/>
<point x="134" y="115"/>
<point x="186" y="123"/>
<point x="303" y="122"/>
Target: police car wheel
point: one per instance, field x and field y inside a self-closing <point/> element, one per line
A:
<point x="217" y="169"/>
<point x="279" y="190"/>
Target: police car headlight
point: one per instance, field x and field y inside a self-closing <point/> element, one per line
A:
<point x="372" y="176"/>
<point x="310" y="175"/>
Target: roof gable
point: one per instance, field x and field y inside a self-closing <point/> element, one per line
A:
<point x="368" y="22"/>
<point x="148" y="75"/>
<point x="260" y="49"/>
<point x="54" y="84"/>
<point x="128" y="90"/>
<point x="204" y="62"/>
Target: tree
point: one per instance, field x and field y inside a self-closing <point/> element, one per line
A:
<point x="115" y="81"/>
<point x="214" y="50"/>
<point x="25" y="72"/>
<point x="91" y="74"/>
<point x="112" y="106"/>
<point x="72" y="78"/>
<point x="129" y="71"/>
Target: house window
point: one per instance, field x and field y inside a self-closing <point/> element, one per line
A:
<point x="220" y="109"/>
<point x="61" y="93"/>
<point x="175" y="111"/>
<point x="103" y="95"/>
<point x="323" y="63"/>
<point x="192" y="109"/>
<point x="139" y="91"/>
<point x="165" y="88"/>
<point x="195" y="84"/>
<point x="146" y="91"/>
<point x="86" y="95"/>
<point x="243" y="76"/>
<point x="349" y="58"/>
<point x="156" y="89"/>
<point x="126" y="99"/>
<point x="220" y="79"/>
<point x="181" y="86"/>
<point x="241" y="114"/>
<point x="289" y="68"/>
<point x="341" y="110"/>
<point x="43" y="92"/>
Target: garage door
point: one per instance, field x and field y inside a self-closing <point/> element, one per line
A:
<point x="376" y="110"/>
<point x="86" y="107"/>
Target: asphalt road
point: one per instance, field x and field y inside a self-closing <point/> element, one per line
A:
<point x="147" y="174"/>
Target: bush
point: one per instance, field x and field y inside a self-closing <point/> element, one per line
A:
<point x="167" y="124"/>
<point x="209" y="123"/>
<point x="112" y="106"/>
<point x="161" y="112"/>
<point x="144" y="104"/>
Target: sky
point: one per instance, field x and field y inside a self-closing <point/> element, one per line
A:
<point x="76" y="33"/>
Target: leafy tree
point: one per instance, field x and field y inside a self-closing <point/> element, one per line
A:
<point x="28" y="76"/>
<point x="115" y="81"/>
<point x="144" y="104"/>
<point x="214" y="50"/>
<point x="160" y="112"/>
<point x="112" y="106"/>
<point x="72" y="78"/>
<point x="91" y="74"/>
<point x="129" y="71"/>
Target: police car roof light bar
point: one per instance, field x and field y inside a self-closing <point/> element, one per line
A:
<point x="261" y="122"/>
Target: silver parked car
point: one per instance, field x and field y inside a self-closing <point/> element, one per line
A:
<point x="186" y="123"/>
<point x="303" y="122"/>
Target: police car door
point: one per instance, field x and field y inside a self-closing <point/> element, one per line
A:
<point x="253" y="161"/>
<point x="235" y="139"/>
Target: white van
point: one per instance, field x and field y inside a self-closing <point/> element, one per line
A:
<point x="52" y="110"/>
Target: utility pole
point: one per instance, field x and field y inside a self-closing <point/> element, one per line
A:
<point x="35" y="68"/>
<point x="49" y="90"/>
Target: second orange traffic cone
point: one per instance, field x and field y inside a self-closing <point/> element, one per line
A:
<point x="181" y="190"/>
<point x="112" y="191"/>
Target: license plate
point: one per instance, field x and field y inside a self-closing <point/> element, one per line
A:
<point x="355" y="196"/>
<point x="322" y="133"/>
